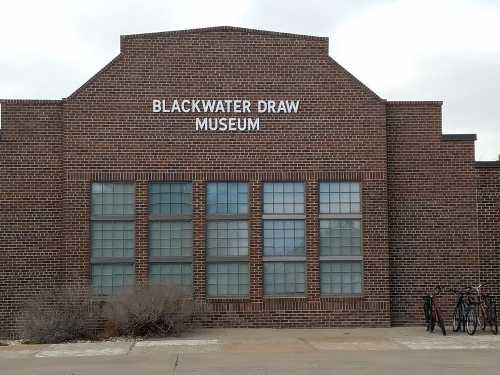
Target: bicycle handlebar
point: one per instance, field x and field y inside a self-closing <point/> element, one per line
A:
<point x="461" y="290"/>
<point x="437" y="290"/>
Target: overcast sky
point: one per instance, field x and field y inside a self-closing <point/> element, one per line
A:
<point x="402" y="49"/>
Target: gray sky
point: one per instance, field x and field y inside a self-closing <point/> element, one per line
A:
<point x="402" y="49"/>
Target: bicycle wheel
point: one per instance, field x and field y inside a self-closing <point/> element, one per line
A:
<point x="457" y="319"/>
<point x="432" y="325"/>
<point x="432" y="321"/>
<point x="428" y="312"/>
<point x="481" y="318"/>
<point x="440" y="322"/>
<point x="493" y="318"/>
<point x="471" y="321"/>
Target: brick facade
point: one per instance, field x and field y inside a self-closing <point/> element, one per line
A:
<point x="429" y="212"/>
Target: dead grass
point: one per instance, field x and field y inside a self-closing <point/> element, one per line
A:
<point x="149" y="310"/>
<point x="58" y="315"/>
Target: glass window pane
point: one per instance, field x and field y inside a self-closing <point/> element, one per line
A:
<point x="227" y="238"/>
<point x="112" y="239"/>
<point x="109" y="279"/>
<point x="179" y="274"/>
<point x="170" y="238"/>
<point x="341" y="277"/>
<point x="170" y="199"/>
<point x="227" y="279"/>
<point x="112" y="199"/>
<point x="283" y="198"/>
<point x="339" y="197"/>
<point x="284" y="278"/>
<point x="227" y="198"/>
<point x="340" y="237"/>
<point x="284" y="238"/>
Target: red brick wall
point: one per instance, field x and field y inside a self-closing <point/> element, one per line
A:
<point x="31" y="177"/>
<point x="488" y="187"/>
<point x="432" y="209"/>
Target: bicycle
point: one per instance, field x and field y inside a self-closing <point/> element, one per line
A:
<point x="431" y="311"/>
<point x="492" y="317"/>
<point x="487" y="309"/>
<point x="465" y="314"/>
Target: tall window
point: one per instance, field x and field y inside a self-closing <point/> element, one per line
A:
<point x="170" y="234"/>
<point x="284" y="238"/>
<point x="341" y="269"/>
<point x="112" y="237"/>
<point x="227" y="239"/>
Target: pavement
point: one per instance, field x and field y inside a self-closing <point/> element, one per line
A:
<point x="408" y="350"/>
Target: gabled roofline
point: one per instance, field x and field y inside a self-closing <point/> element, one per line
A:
<point x="187" y="31"/>
<point x="95" y="76"/>
<point x="331" y="60"/>
<point x="225" y="29"/>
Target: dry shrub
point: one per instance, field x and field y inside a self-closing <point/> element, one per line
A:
<point x="58" y="315"/>
<point x="150" y="310"/>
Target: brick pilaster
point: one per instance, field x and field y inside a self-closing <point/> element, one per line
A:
<point x="199" y="224"/>
<point x="256" y="249"/>
<point x="141" y="232"/>
<point x="312" y="239"/>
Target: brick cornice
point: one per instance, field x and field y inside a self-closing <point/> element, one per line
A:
<point x="225" y="29"/>
<point x="458" y="137"/>
<point x="488" y="164"/>
<point x="415" y="102"/>
<point x="31" y="101"/>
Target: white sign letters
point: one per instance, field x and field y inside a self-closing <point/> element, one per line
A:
<point x="224" y="106"/>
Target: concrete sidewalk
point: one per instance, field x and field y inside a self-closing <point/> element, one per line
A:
<point x="265" y="351"/>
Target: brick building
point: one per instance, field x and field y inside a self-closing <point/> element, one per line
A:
<point x="314" y="203"/>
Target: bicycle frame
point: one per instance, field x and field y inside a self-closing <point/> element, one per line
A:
<point x="487" y="309"/>
<point x="461" y="309"/>
<point x="432" y="312"/>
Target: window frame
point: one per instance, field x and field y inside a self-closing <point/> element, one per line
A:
<point x="171" y="218"/>
<point x="218" y="217"/>
<point x="93" y="218"/>
<point x="342" y="258"/>
<point x="284" y="258"/>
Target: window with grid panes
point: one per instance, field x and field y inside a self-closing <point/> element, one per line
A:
<point x="341" y="260"/>
<point x="176" y="273"/>
<point x="227" y="279"/>
<point x="170" y="234"/>
<point x="284" y="238"/>
<point x="227" y="198"/>
<point x="112" y="235"/>
<point x="227" y="239"/>
<point x="284" y="198"/>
